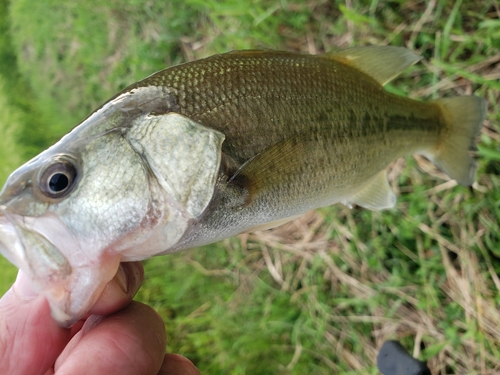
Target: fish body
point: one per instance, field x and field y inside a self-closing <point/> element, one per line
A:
<point x="205" y="150"/>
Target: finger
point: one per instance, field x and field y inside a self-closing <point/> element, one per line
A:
<point x="175" y="364"/>
<point x="131" y="341"/>
<point x="30" y="340"/>
<point x="120" y="291"/>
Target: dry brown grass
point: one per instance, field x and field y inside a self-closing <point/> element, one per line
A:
<point x="468" y="285"/>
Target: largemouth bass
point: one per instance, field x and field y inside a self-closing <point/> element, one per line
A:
<point x="209" y="149"/>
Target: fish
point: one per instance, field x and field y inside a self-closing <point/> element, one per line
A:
<point x="205" y="150"/>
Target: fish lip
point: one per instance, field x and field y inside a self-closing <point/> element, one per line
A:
<point x="67" y="280"/>
<point x="10" y="251"/>
<point x="22" y="250"/>
<point x="53" y="285"/>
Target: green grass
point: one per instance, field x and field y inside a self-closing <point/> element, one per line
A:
<point x="319" y="295"/>
<point x="10" y="157"/>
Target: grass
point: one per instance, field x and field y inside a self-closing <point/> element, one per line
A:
<point x="10" y="157"/>
<point x="321" y="294"/>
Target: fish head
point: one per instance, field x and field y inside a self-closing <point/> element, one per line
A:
<point x="124" y="185"/>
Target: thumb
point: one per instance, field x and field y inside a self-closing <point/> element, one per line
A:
<point x="175" y="364"/>
<point x="22" y="287"/>
<point x="30" y="340"/>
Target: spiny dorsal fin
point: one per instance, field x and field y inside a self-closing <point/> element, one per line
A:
<point x="375" y="195"/>
<point x="381" y="63"/>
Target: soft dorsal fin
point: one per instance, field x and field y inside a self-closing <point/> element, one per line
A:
<point x="375" y="195"/>
<point x="381" y="63"/>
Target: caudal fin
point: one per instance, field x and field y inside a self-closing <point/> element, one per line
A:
<point x="464" y="116"/>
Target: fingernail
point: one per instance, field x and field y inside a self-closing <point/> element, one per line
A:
<point x="121" y="279"/>
<point x="91" y="322"/>
<point x="23" y="287"/>
<point x="175" y="364"/>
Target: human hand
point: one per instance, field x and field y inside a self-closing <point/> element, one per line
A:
<point x="119" y="336"/>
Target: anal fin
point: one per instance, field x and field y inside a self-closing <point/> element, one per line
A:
<point x="375" y="195"/>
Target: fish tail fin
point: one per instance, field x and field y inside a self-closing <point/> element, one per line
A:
<point x="464" y="117"/>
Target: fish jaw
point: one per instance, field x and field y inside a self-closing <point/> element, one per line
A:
<point x="70" y="280"/>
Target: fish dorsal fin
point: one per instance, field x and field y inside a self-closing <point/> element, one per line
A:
<point x="375" y="195"/>
<point x="381" y="63"/>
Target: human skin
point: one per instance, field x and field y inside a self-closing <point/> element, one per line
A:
<point x="118" y="336"/>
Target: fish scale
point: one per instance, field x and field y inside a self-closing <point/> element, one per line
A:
<point x="257" y="94"/>
<point x="200" y="152"/>
<point x="320" y="89"/>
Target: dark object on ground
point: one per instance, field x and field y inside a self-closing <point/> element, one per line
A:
<point x="393" y="359"/>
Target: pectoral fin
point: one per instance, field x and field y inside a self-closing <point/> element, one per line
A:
<point x="276" y="168"/>
<point x="381" y="63"/>
<point x="299" y="173"/>
<point x="273" y="224"/>
<point x="375" y="195"/>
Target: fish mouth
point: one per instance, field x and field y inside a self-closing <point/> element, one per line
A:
<point x="70" y="281"/>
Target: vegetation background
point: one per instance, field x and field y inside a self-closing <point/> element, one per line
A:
<point x="321" y="294"/>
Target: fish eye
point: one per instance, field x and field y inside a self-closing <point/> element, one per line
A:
<point x="58" y="179"/>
